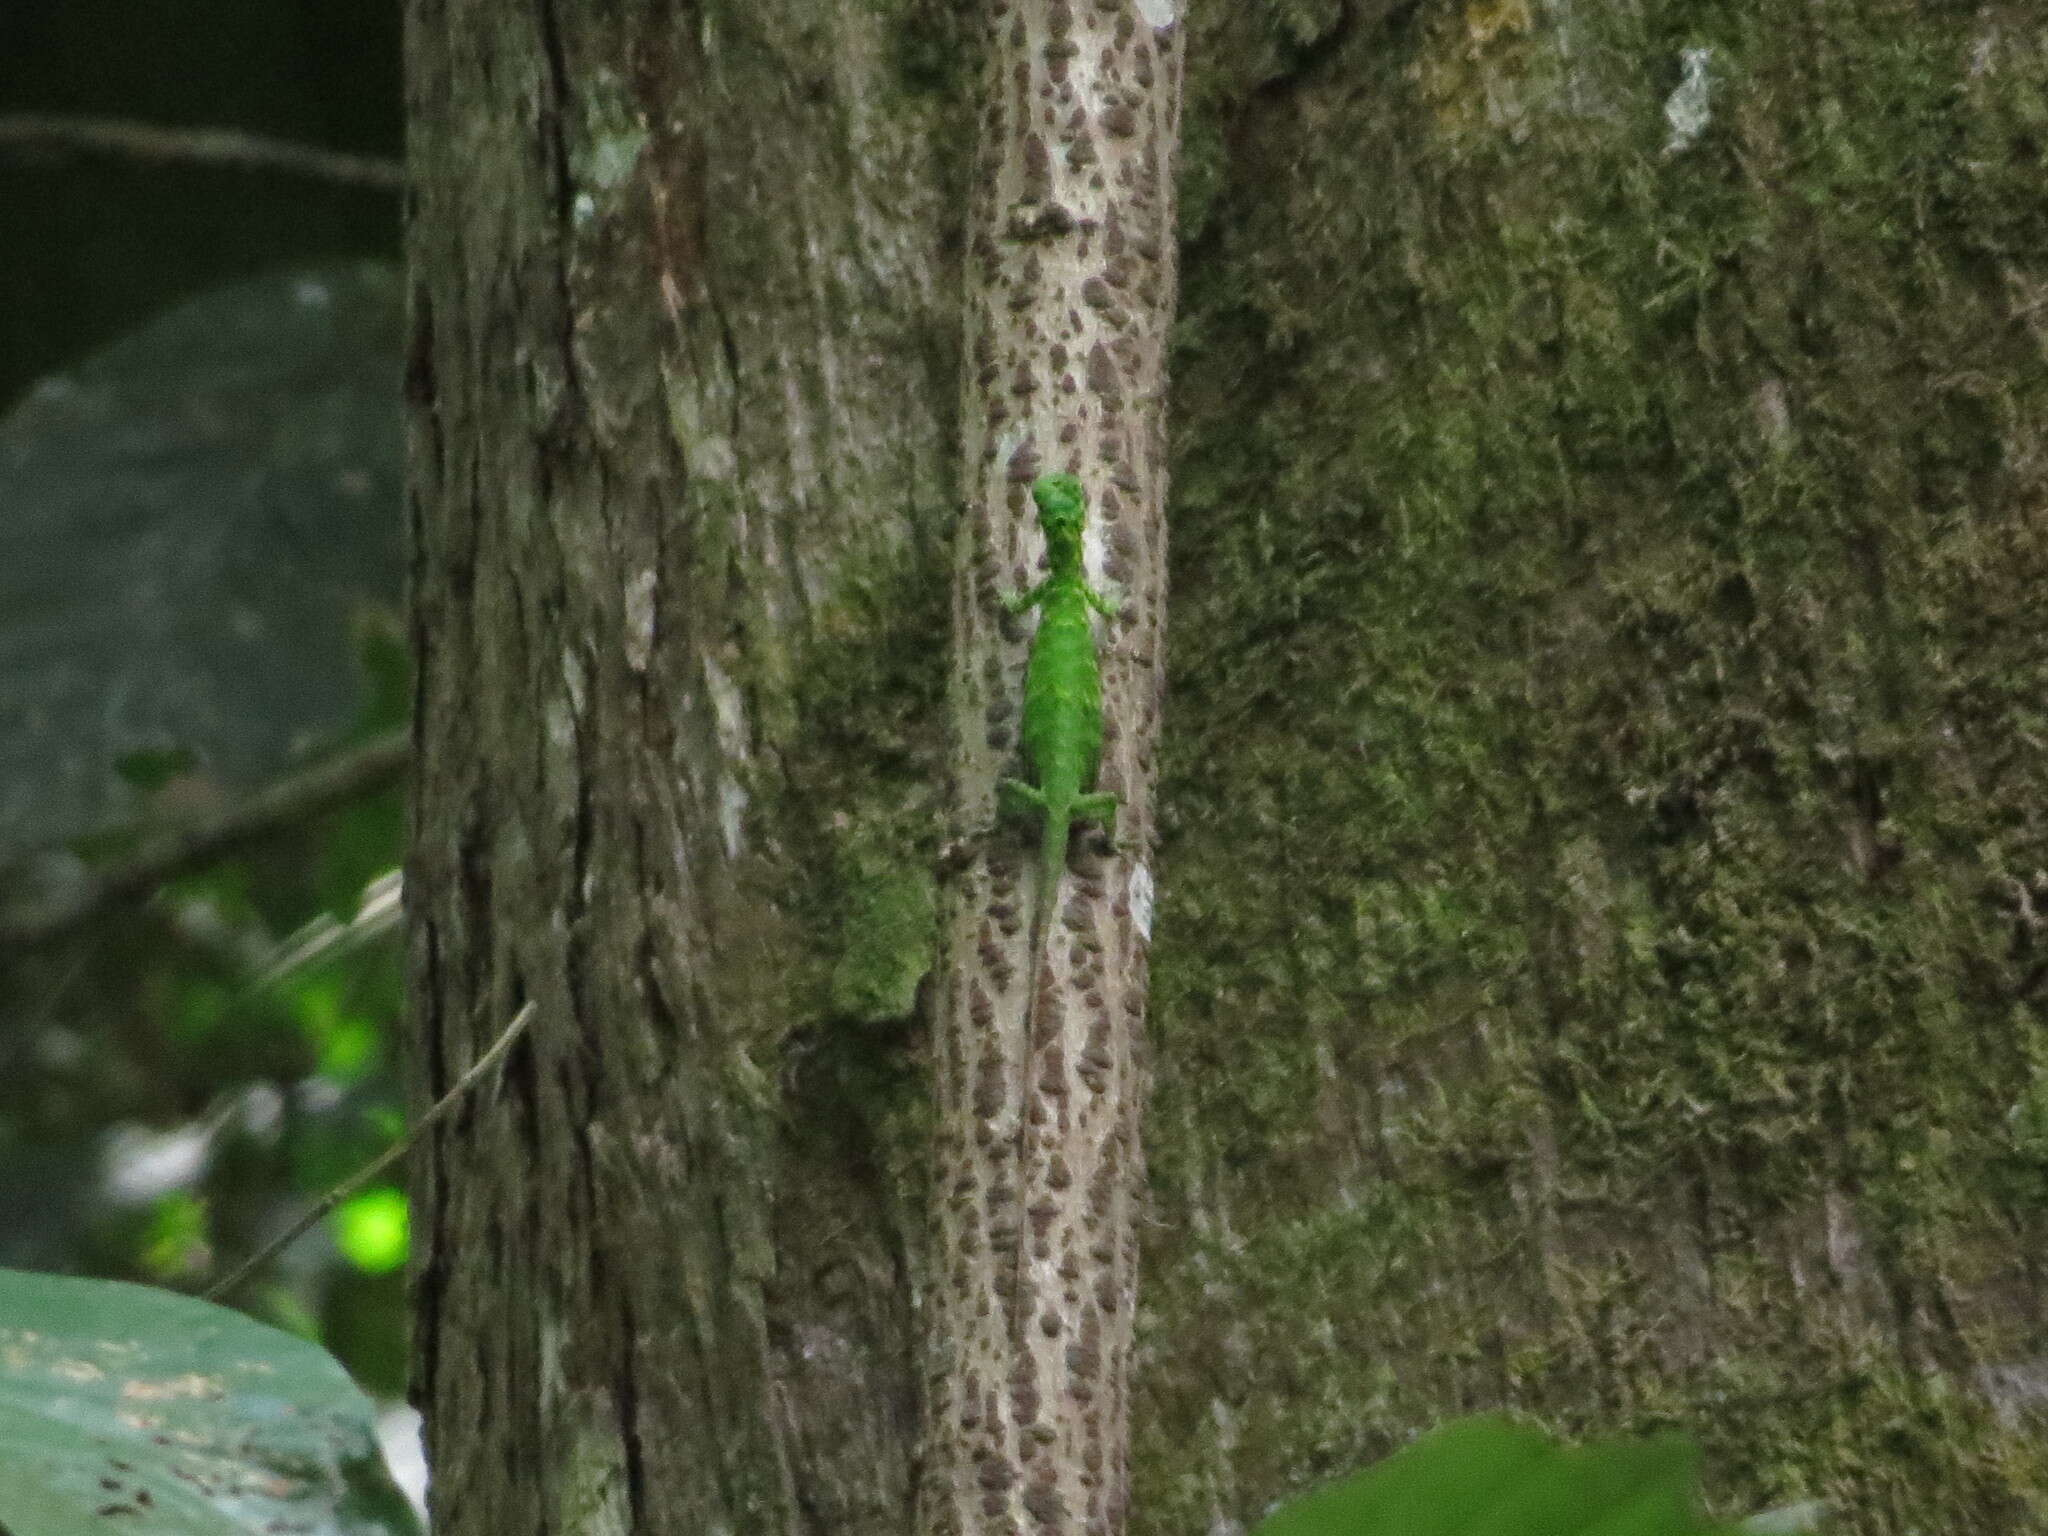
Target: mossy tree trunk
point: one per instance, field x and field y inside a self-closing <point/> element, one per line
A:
<point x="1599" y="967"/>
<point x="1602" y="971"/>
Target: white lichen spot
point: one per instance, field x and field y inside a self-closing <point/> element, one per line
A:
<point x="715" y="458"/>
<point x="594" y="1488"/>
<point x="607" y="152"/>
<point x="707" y="453"/>
<point x="1983" y="51"/>
<point x="576" y="678"/>
<point x="612" y="156"/>
<point x="1159" y="14"/>
<point x="1773" y="413"/>
<point x="1688" y="109"/>
<point x="732" y="815"/>
<point x="2017" y="1389"/>
<point x="553" y="1339"/>
<point x="1789" y="1519"/>
<point x="815" y="1343"/>
<point x="311" y="293"/>
<point x="640" y="619"/>
<point x="561" y="724"/>
<point x="1225" y="1419"/>
<point x="729" y="709"/>
<point x="1141" y="900"/>
<point x="730" y="715"/>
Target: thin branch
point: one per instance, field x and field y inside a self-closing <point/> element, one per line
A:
<point x="222" y="148"/>
<point x="166" y="854"/>
<point x="376" y="1165"/>
<point x="321" y="938"/>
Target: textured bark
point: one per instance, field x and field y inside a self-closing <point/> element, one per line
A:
<point x="679" y="425"/>
<point x="1602" y="974"/>
<point x="1039" y="1065"/>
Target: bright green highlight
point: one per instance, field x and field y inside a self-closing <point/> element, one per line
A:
<point x="175" y="1243"/>
<point x="373" y="1231"/>
<point x="346" y="1045"/>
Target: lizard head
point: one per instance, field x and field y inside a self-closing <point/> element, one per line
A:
<point x="1061" y="505"/>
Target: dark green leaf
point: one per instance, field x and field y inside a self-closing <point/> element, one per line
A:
<point x="1490" y="1477"/>
<point x="179" y="1418"/>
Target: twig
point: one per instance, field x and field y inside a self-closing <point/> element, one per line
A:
<point x="225" y="148"/>
<point x="289" y="800"/>
<point x="321" y="938"/>
<point x="376" y="1165"/>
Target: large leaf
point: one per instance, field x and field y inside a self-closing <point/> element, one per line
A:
<point x="188" y="521"/>
<point x="1490" y="1477"/>
<point x="129" y="1409"/>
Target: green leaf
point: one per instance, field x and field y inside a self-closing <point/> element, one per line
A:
<point x="179" y="1417"/>
<point x="1490" y="1477"/>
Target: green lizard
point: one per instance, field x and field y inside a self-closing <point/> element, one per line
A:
<point x="1062" y="697"/>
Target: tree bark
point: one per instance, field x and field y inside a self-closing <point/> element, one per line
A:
<point x="1602" y="975"/>
<point x="1038" y="1170"/>
<point x="680" y="432"/>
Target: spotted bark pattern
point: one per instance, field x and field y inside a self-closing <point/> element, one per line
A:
<point x="1069" y="296"/>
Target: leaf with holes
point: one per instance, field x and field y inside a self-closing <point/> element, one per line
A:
<point x="131" y="1409"/>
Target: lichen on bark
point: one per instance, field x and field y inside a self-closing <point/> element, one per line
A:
<point x="1608" y="991"/>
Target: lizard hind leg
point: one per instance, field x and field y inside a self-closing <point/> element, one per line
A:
<point x="1100" y="807"/>
<point x="1018" y="800"/>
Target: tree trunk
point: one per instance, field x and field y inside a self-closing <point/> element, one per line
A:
<point x="680" y="386"/>
<point x="1039" y="1063"/>
<point x="1601" y="973"/>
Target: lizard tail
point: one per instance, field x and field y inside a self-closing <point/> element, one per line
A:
<point x="1052" y="865"/>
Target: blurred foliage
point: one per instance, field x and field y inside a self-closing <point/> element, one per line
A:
<point x="180" y="1079"/>
<point x="96" y="243"/>
<point x="371" y="1230"/>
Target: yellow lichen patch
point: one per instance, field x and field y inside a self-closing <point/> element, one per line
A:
<point x="1473" y="64"/>
<point x="1487" y="19"/>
